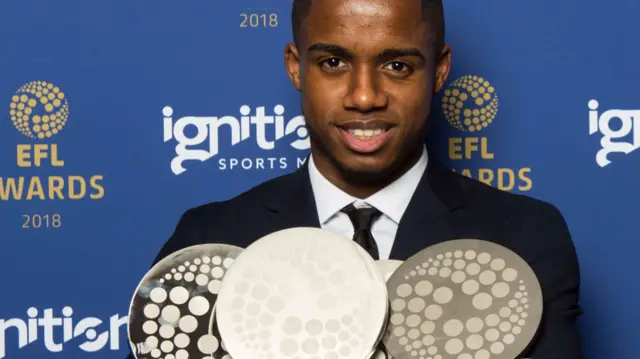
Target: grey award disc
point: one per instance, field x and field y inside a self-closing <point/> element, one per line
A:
<point x="171" y="311"/>
<point x="302" y="293"/>
<point x="463" y="299"/>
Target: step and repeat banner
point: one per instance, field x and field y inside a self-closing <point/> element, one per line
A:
<point x="117" y="116"/>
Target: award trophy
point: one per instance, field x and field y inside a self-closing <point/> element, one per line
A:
<point x="463" y="299"/>
<point x="307" y="293"/>
<point x="172" y="309"/>
<point x="303" y="293"/>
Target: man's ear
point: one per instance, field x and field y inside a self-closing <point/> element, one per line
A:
<point x="443" y="67"/>
<point x="292" y="63"/>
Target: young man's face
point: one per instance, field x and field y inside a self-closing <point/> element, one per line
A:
<point x="367" y="72"/>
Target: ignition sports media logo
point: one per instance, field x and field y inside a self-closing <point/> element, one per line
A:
<point x="629" y="130"/>
<point x="266" y="130"/>
<point x="39" y="110"/>
<point x="49" y="328"/>
<point x="470" y="104"/>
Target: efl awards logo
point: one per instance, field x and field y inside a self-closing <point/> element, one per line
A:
<point x="45" y="99"/>
<point x="626" y="136"/>
<point x="470" y="104"/>
<point x="265" y="129"/>
<point x="39" y="110"/>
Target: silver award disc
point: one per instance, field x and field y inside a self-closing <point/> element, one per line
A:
<point x="463" y="299"/>
<point x="302" y="293"/>
<point x="171" y="311"/>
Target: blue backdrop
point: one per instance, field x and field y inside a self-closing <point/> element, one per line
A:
<point x="95" y="97"/>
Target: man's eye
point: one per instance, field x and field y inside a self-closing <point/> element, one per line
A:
<point x="398" y="66"/>
<point x="332" y="62"/>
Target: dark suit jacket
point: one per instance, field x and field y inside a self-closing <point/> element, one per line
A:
<point x="445" y="206"/>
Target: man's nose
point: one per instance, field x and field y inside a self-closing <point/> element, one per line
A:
<point x="365" y="92"/>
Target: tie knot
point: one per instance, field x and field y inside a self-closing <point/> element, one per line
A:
<point x="361" y="218"/>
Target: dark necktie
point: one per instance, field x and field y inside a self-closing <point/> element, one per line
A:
<point x="362" y="218"/>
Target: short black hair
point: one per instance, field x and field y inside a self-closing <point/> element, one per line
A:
<point x="431" y="9"/>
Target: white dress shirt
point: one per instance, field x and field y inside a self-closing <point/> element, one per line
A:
<point x="392" y="201"/>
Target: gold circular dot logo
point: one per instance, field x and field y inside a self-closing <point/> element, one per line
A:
<point x="39" y="110"/>
<point x="470" y="103"/>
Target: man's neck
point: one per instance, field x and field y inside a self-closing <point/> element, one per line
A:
<point x="362" y="185"/>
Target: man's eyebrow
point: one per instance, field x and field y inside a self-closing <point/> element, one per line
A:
<point x="386" y="54"/>
<point x="336" y="50"/>
<point x="406" y="52"/>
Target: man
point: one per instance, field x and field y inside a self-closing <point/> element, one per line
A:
<point x="367" y="71"/>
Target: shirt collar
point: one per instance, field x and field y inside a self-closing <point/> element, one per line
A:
<point x="392" y="200"/>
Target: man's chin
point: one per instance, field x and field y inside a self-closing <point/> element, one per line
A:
<point x="366" y="171"/>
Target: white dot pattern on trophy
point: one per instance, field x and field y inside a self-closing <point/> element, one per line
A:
<point x="180" y="307"/>
<point x="167" y="331"/>
<point x="171" y="313"/>
<point x="442" y="295"/>
<point x="474" y="325"/>
<point x="470" y="287"/>
<point x="477" y="278"/>
<point x="166" y="346"/>
<point x="445" y="272"/>
<point x="474" y="341"/>
<point x="492" y="334"/>
<point x="152" y="342"/>
<point x="181" y="340"/>
<point x="453" y="327"/>
<point x="202" y="279"/>
<point x="182" y="354"/>
<point x="150" y="327"/>
<point x="416" y="305"/>
<point x="484" y="258"/>
<point x="483" y="354"/>
<point x="158" y="295"/>
<point x="458" y="277"/>
<point x="488" y="277"/>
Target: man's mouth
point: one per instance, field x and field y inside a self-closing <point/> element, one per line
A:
<point x="365" y="136"/>
<point x="366" y="130"/>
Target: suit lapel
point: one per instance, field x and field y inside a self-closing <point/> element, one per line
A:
<point x="430" y="217"/>
<point x="294" y="205"/>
